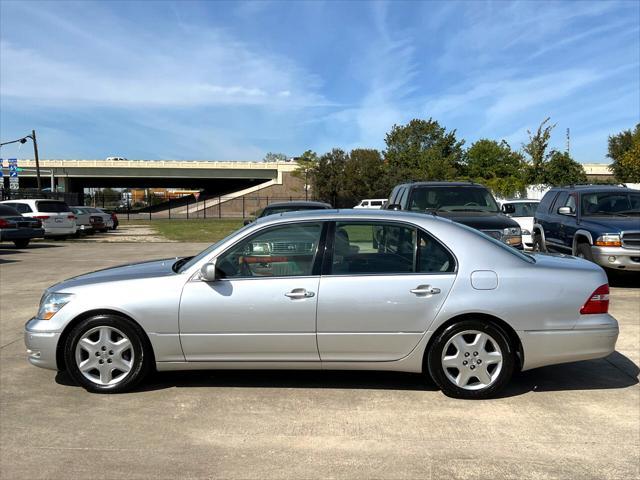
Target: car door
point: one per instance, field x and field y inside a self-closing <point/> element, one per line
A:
<point x="382" y="286"/>
<point x="552" y="228"/>
<point x="568" y="225"/>
<point x="264" y="306"/>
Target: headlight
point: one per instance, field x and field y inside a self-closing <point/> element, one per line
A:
<point x="51" y="303"/>
<point x="526" y="232"/>
<point x="512" y="236"/>
<point x="511" y="231"/>
<point x="608" y="240"/>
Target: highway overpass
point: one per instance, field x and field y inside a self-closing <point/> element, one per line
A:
<point x="217" y="178"/>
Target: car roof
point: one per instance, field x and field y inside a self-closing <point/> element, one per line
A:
<point x="32" y="201"/>
<point x="522" y="200"/>
<point x="596" y="188"/>
<point x="351" y="214"/>
<point x="301" y="203"/>
<point x="442" y="184"/>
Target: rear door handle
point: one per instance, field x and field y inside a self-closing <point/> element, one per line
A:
<point x="299" y="293"/>
<point x="425" y="290"/>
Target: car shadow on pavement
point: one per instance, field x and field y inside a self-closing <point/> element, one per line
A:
<point x="615" y="371"/>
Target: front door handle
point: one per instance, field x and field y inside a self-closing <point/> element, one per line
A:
<point x="425" y="290"/>
<point x="299" y="293"/>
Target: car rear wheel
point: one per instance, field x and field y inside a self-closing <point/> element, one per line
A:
<point x="537" y="242"/>
<point x="471" y="360"/>
<point x="22" y="243"/>
<point x="106" y="354"/>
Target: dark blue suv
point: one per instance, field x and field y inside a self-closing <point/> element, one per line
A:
<point x="598" y="222"/>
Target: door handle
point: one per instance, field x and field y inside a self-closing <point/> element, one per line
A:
<point x="299" y="293"/>
<point x="425" y="290"/>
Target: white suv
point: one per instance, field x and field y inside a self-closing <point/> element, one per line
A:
<point x="57" y="218"/>
<point x="524" y="211"/>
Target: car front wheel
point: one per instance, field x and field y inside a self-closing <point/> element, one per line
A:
<point x="22" y="243"/>
<point x="106" y="354"/>
<point x="471" y="360"/>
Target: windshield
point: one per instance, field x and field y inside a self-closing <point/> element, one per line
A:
<point x="524" y="209"/>
<point x="287" y="208"/>
<point x="451" y="199"/>
<point x="193" y="260"/>
<point x="611" y="203"/>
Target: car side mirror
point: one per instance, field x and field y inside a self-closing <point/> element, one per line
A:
<point x="566" y="211"/>
<point x="394" y="206"/>
<point x="247" y="221"/>
<point x="508" y="208"/>
<point x="208" y="272"/>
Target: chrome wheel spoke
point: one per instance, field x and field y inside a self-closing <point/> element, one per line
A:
<point x="121" y="364"/>
<point x="483" y="375"/>
<point x="105" y="335"/>
<point x="452" y="361"/>
<point x="105" y="373"/>
<point x="121" y="345"/>
<point x="492" y="357"/>
<point x="89" y="364"/>
<point x="463" y="378"/>
<point x="88" y="345"/>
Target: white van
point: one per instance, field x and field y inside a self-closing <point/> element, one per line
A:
<point x="375" y="203"/>
<point x="57" y="218"/>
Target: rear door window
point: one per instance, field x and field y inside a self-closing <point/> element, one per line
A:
<point x="547" y="200"/>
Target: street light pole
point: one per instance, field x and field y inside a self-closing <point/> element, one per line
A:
<point x="35" y="153"/>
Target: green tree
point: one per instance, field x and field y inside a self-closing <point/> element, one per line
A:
<point x="561" y="169"/>
<point x="307" y="169"/>
<point x="365" y="176"/>
<point x="423" y="150"/>
<point x="624" y="165"/>
<point x="275" y="157"/>
<point x="498" y="167"/>
<point x="329" y="178"/>
<point x="536" y="148"/>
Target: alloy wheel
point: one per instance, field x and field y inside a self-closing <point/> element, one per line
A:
<point x="104" y="355"/>
<point x="472" y="360"/>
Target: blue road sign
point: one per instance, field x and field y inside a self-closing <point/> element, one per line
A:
<point x="13" y="167"/>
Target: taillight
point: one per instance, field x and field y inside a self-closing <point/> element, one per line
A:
<point x="4" y="223"/>
<point x="71" y="217"/>
<point x="598" y="301"/>
<point x="42" y="217"/>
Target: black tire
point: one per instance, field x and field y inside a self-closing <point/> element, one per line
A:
<point x="140" y="357"/>
<point x="448" y="387"/>
<point x="22" y="243"/>
<point x="537" y="243"/>
<point x="584" y="251"/>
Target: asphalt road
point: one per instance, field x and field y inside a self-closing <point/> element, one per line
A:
<point x="579" y="420"/>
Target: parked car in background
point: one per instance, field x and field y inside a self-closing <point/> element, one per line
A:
<point x="463" y="202"/>
<point x="523" y="213"/>
<point x="600" y="223"/>
<point x="56" y="217"/>
<point x="116" y="159"/>
<point x="293" y="206"/>
<point x="107" y="219"/>
<point x="352" y="290"/>
<point x="87" y="222"/>
<point x="18" y="229"/>
<point x="374" y="203"/>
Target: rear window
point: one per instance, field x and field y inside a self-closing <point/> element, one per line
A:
<point x="6" y="211"/>
<point x="52" y="207"/>
<point x="524" y="209"/>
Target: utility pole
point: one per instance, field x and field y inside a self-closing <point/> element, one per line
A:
<point x="568" y="143"/>
<point x="35" y="153"/>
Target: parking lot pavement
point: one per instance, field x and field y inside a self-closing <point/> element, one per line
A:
<point x="579" y="420"/>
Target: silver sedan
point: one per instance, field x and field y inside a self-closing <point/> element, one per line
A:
<point x="370" y="290"/>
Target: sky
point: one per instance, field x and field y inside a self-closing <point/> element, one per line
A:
<point x="232" y="81"/>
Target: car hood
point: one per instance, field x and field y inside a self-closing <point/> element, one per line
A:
<point x="613" y="223"/>
<point x="155" y="268"/>
<point x="480" y="220"/>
